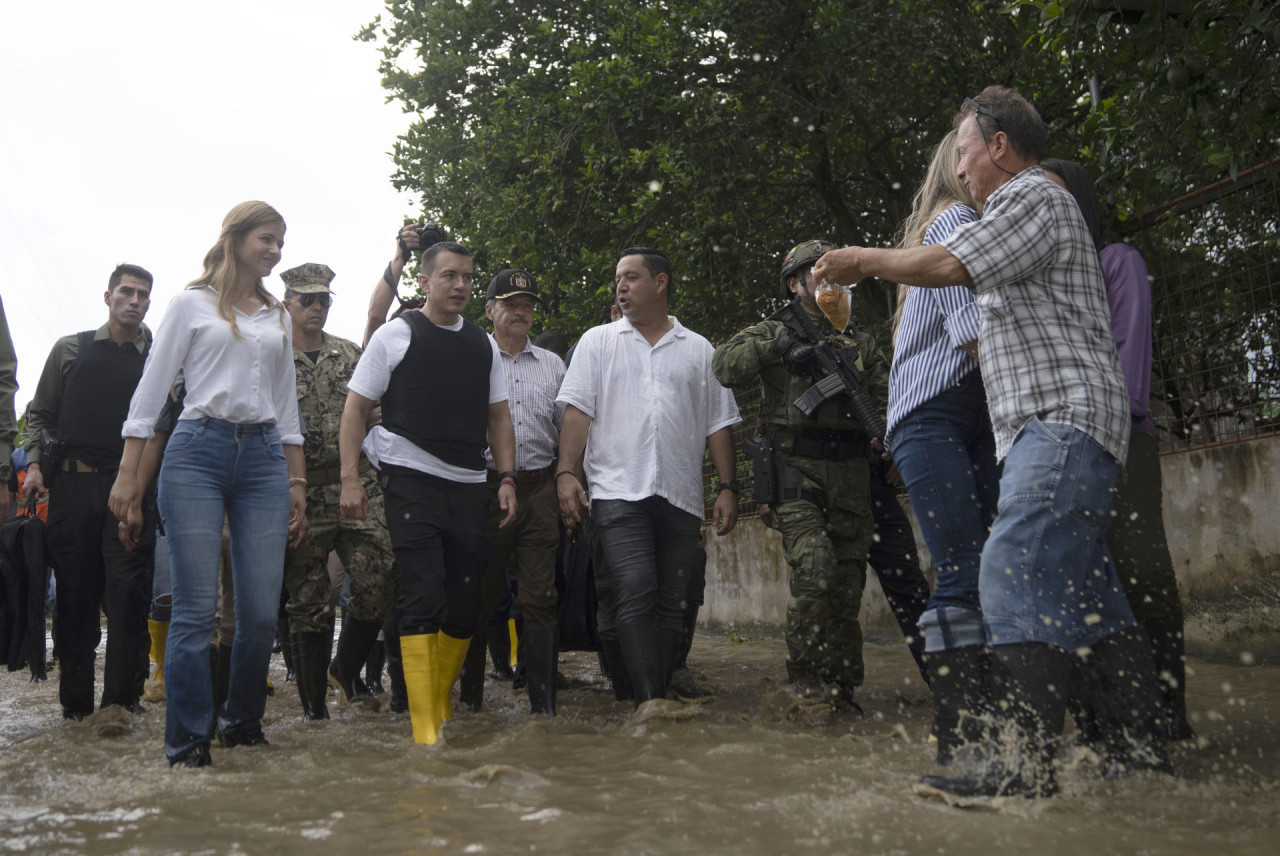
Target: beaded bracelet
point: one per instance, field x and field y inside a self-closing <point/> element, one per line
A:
<point x="508" y="481"/>
<point x="297" y="480"/>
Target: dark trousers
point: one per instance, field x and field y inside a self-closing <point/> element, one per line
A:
<point x="651" y="555"/>
<point x="893" y="555"/>
<point x="531" y="540"/>
<point x="440" y="534"/>
<point x="96" y="574"/>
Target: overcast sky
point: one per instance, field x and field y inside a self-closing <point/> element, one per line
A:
<point x="129" y="129"/>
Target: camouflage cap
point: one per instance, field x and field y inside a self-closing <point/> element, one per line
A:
<point x="509" y="283"/>
<point x="310" y="278"/>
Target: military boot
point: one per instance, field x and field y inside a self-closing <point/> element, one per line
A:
<point x="373" y="667"/>
<point x="311" y="657"/>
<point x="354" y="642"/>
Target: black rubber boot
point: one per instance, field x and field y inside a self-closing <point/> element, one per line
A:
<point x="373" y="667"/>
<point x="399" y="700"/>
<point x="644" y="659"/>
<point x="1020" y="763"/>
<point x="1127" y="700"/>
<point x="611" y="652"/>
<point x="311" y="654"/>
<point x="1168" y="650"/>
<point x="680" y="682"/>
<point x="500" y="649"/>
<point x="284" y="641"/>
<point x="471" y="681"/>
<point x="960" y="680"/>
<point x="354" y="642"/>
<point x="542" y="652"/>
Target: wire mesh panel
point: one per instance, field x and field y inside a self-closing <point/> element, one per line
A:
<point x="1213" y="257"/>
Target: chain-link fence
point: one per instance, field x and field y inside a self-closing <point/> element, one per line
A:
<point x="1214" y="257"/>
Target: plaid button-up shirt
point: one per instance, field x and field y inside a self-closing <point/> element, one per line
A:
<point x="533" y="380"/>
<point x="1045" y="339"/>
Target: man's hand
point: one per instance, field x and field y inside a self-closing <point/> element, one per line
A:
<point x="298" y="523"/>
<point x="34" y="484"/>
<point x="839" y="267"/>
<point x="795" y="354"/>
<point x="574" y="505"/>
<point x="766" y="514"/>
<point x="406" y="244"/>
<point x="507" y="502"/>
<point x="354" y="502"/>
<point x="724" y="515"/>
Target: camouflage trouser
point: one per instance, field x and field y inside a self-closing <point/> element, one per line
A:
<point x="826" y="546"/>
<point x="363" y="547"/>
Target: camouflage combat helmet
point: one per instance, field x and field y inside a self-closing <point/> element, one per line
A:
<point x="802" y="255"/>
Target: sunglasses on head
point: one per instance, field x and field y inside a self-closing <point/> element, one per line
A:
<point x="308" y="299"/>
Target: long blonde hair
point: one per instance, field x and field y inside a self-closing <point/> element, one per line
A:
<point x="940" y="189"/>
<point x="222" y="268"/>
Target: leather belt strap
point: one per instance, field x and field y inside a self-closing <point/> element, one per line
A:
<point x="526" y="477"/>
<point x="71" y="465"/>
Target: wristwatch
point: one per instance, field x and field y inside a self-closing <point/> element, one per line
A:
<point x="731" y="485"/>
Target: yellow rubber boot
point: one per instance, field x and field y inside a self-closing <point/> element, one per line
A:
<point x="515" y="642"/>
<point x="420" y="659"/>
<point x="453" y="652"/>
<point x="154" y="688"/>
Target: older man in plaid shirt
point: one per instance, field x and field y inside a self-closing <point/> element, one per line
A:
<point x="1059" y="407"/>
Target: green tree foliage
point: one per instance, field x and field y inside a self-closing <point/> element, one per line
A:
<point x="1185" y="93"/>
<point x="551" y="135"/>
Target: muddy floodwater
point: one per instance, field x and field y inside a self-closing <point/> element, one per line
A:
<point x="735" y="776"/>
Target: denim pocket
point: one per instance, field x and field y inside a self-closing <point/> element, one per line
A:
<point x="184" y="438"/>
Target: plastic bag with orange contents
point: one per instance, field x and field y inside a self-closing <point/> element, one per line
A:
<point x="834" y="301"/>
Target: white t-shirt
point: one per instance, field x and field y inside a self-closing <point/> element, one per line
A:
<point x="652" y="409"/>
<point x="372" y="376"/>
<point x="247" y="380"/>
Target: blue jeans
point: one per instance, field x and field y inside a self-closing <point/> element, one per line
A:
<point x="211" y="468"/>
<point x="1046" y="573"/>
<point x="946" y="454"/>
<point x="652" y="552"/>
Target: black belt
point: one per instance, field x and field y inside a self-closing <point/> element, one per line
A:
<point x="525" y="477"/>
<point x="828" y="444"/>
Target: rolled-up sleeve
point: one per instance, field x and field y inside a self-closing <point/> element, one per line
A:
<point x="580" y="386"/>
<point x="168" y="352"/>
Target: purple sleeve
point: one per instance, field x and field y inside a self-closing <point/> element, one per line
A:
<point x="1129" y="294"/>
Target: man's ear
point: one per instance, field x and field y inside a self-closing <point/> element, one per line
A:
<point x="663" y="279"/>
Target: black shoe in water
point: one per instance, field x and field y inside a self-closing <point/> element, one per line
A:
<point x="251" y="737"/>
<point x="196" y="756"/>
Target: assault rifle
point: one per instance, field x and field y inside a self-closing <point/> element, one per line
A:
<point x="839" y="374"/>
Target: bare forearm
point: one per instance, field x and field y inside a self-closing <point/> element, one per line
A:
<point x="573" y="439"/>
<point x="502" y="437"/>
<point x="351" y="434"/>
<point x="720" y="444"/>
<point x="147" y="459"/>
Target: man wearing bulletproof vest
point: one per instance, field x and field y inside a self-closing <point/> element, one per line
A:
<point x="444" y="398"/>
<point x="81" y="402"/>
<point x="811" y="472"/>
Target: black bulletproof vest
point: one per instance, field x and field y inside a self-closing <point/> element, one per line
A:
<point x="95" y="399"/>
<point x="438" y="396"/>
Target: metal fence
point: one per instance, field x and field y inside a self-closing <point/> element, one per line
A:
<point x="1214" y="258"/>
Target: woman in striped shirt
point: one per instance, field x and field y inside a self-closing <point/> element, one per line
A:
<point x="940" y="436"/>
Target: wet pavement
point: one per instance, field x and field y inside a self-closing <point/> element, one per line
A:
<point x="735" y="776"/>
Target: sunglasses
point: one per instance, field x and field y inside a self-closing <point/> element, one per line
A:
<point x="982" y="111"/>
<point x="308" y="299"/>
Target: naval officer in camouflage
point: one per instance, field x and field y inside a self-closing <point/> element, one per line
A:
<point x="324" y="364"/>
<point x="821" y="464"/>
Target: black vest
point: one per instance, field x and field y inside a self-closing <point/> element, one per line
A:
<point x="438" y="396"/>
<point x="95" y="399"/>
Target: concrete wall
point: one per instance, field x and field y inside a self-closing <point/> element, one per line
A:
<point x="1222" y="514"/>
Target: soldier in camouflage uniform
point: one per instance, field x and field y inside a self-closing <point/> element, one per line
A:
<point x="822" y="509"/>
<point x="324" y="364"/>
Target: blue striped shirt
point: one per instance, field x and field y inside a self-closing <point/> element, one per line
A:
<point x="935" y="322"/>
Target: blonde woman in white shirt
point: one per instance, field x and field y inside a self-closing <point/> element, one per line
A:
<point x="236" y="451"/>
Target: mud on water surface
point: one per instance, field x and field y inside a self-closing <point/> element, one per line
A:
<point x="736" y="776"/>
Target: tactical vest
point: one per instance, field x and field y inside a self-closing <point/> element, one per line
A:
<point x="438" y="396"/>
<point x="95" y="399"/>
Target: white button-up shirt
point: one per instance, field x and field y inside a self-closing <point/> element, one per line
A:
<point x="652" y="409"/>
<point x="246" y="380"/>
